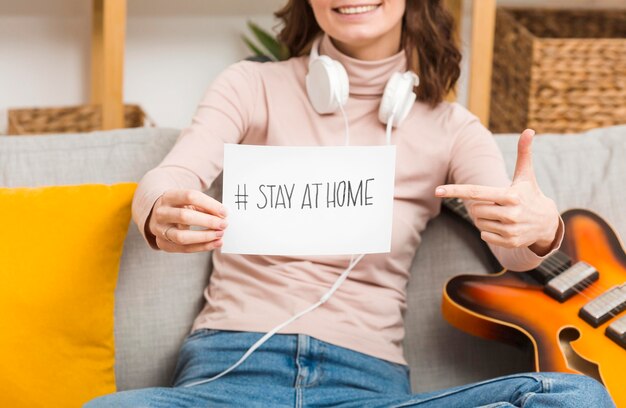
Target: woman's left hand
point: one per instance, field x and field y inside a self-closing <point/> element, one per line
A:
<point x="515" y="216"/>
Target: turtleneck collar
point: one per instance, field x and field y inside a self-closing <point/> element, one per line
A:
<point x="366" y="77"/>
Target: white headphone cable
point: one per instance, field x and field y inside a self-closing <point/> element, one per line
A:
<point x="389" y="125"/>
<point x="323" y="299"/>
<point x="345" y="121"/>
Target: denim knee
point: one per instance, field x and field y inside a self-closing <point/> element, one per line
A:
<point x="100" y="402"/>
<point x="124" y="399"/>
<point x="583" y="391"/>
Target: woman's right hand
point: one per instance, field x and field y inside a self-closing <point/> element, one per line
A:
<point x="176" y="211"/>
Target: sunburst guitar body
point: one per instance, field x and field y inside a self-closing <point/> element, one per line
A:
<point x="571" y="309"/>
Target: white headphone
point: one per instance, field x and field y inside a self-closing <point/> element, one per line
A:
<point x="327" y="86"/>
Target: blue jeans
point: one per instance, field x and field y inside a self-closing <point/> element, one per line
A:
<point x="295" y="370"/>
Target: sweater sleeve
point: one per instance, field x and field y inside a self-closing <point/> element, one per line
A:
<point x="224" y="115"/>
<point x="476" y="159"/>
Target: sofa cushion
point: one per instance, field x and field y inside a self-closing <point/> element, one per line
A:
<point x="158" y="294"/>
<point x="60" y="252"/>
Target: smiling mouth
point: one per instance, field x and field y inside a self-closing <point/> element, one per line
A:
<point x="348" y="10"/>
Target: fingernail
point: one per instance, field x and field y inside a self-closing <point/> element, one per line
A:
<point x="223" y="211"/>
<point x="219" y="234"/>
<point x="223" y="224"/>
<point x="440" y="191"/>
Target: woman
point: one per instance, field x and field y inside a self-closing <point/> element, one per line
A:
<point x="349" y="351"/>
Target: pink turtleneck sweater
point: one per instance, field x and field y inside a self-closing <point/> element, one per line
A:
<point x="266" y="103"/>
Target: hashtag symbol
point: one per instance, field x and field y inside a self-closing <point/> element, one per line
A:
<point x="241" y="198"/>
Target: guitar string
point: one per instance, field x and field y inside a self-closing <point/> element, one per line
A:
<point x="584" y="285"/>
<point x="595" y="291"/>
<point x="562" y="268"/>
<point x="583" y="289"/>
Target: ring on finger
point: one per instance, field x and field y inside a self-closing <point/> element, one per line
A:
<point x="165" y="234"/>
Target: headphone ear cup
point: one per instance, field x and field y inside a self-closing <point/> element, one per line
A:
<point x="398" y="95"/>
<point x="387" y="101"/>
<point x="405" y="108"/>
<point x="343" y="84"/>
<point x="327" y="85"/>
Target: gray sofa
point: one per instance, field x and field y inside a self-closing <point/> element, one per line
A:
<point x="158" y="294"/>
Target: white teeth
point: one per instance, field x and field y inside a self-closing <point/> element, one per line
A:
<point x="356" y="10"/>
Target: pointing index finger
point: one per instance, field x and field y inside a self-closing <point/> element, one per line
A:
<point x="474" y="192"/>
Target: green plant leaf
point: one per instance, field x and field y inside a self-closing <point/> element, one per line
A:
<point x="276" y="50"/>
<point x="256" y="50"/>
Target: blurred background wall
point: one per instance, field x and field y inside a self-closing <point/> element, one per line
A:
<point x="174" y="49"/>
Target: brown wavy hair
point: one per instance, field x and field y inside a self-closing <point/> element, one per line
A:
<point x="428" y="38"/>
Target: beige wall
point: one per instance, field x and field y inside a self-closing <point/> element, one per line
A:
<point x="174" y="50"/>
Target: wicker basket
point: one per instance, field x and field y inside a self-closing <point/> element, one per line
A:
<point x="71" y="119"/>
<point x="558" y="71"/>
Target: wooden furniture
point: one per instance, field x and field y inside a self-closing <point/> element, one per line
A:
<point x="558" y="71"/>
<point x="107" y="60"/>
<point x="483" y="18"/>
<point x="481" y="60"/>
<point x="69" y="119"/>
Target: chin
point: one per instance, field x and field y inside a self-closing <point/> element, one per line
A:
<point x="355" y="36"/>
<point x="358" y="22"/>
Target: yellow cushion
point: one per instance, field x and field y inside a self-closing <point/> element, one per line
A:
<point x="60" y="248"/>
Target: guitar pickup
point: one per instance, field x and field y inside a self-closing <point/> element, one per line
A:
<point x="616" y="331"/>
<point x="574" y="279"/>
<point x="604" y="307"/>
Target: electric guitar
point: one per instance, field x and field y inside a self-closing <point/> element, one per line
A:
<point x="570" y="308"/>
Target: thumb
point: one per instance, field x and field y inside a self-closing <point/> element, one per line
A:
<point x="524" y="166"/>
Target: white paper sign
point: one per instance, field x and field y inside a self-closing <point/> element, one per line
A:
<point x="285" y="200"/>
